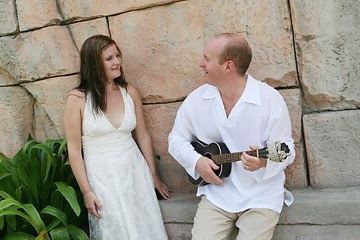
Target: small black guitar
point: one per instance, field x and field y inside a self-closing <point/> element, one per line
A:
<point x="220" y="154"/>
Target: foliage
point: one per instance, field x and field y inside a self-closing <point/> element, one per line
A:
<point x="39" y="196"/>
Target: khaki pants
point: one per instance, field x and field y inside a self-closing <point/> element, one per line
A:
<point x="213" y="223"/>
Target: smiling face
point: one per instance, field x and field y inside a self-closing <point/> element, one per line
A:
<point x="213" y="70"/>
<point x="112" y="62"/>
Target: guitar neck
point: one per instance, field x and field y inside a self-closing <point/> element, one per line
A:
<point x="232" y="157"/>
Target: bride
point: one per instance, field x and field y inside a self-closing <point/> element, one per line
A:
<point x="116" y="175"/>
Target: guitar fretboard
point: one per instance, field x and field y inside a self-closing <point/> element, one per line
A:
<point x="231" y="157"/>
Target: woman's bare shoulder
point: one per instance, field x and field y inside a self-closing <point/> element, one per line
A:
<point x="76" y="97"/>
<point x="76" y="93"/>
<point x="133" y="92"/>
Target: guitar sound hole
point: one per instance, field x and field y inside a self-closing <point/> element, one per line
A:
<point x="208" y="155"/>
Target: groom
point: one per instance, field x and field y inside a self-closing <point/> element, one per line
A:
<point x="234" y="108"/>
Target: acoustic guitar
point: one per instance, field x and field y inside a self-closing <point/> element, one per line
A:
<point x="277" y="152"/>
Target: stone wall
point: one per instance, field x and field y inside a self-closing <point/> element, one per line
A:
<point x="307" y="49"/>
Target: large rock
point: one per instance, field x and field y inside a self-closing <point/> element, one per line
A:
<point x="160" y="59"/>
<point x="43" y="126"/>
<point x="158" y="45"/>
<point x="296" y="173"/>
<point x="332" y="146"/>
<point x="51" y="95"/>
<point x="327" y="39"/>
<point x="38" y="54"/>
<point x="35" y="13"/>
<point x="315" y="214"/>
<point x="5" y="78"/>
<point x="160" y="119"/>
<point x="80" y="31"/>
<point x="90" y="8"/>
<point x="16" y="108"/>
<point x="7" y="16"/>
<point x="267" y="29"/>
<point x="293" y="101"/>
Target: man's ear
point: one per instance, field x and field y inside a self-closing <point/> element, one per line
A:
<point x="230" y="66"/>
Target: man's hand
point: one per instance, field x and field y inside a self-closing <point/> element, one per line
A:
<point x="252" y="163"/>
<point x="205" y="168"/>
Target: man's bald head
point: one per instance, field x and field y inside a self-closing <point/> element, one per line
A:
<point x="237" y="50"/>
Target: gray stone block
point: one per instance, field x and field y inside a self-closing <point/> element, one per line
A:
<point x="315" y="214"/>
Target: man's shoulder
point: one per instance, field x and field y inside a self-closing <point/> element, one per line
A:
<point x="266" y="87"/>
<point x="199" y="91"/>
<point x="269" y="94"/>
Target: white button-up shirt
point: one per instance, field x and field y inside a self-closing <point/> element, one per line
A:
<point x="259" y="117"/>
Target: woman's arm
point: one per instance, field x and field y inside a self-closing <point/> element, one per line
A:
<point x="74" y="108"/>
<point x="143" y="139"/>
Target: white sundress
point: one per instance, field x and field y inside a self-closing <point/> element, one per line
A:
<point x="121" y="179"/>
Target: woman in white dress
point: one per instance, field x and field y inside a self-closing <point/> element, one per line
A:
<point x="116" y="176"/>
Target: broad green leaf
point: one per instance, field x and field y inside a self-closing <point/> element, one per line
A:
<point x="22" y="181"/>
<point x="8" y="202"/>
<point x="18" y="236"/>
<point x="18" y="193"/>
<point x="60" y="234"/>
<point x="15" y="212"/>
<point x="34" y="180"/>
<point x="50" y="143"/>
<point x="5" y="194"/>
<point x="62" y="147"/>
<point x="34" y="217"/>
<point x="4" y="175"/>
<point x="6" y="183"/>
<point x="6" y="160"/>
<point x="7" y="209"/>
<point x="67" y="175"/>
<point x="77" y="233"/>
<point x="55" y="213"/>
<point x="69" y="194"/>
<point x="52" y="224"/>
<point x="28" y="145"/>
<point x="7" y="166"/>
<point x="2" y="222"/>
<point x="45" y="166"/>
<point x="42" y="236"/>
<point x="23" y="176"/>
<point x="11" y="221"/>
<point x="51" y="158"/>
<point x="23" y="166"/>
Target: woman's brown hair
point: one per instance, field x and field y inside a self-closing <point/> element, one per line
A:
<point x="92" y="74"/>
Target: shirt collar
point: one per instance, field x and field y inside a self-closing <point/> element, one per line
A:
<point x="251" y="93"/>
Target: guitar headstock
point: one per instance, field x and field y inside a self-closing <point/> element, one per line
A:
<point x="277" y="151"/>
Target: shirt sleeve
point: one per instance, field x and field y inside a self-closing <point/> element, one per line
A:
<point x="180" y="141"/>
<point x="280" y="129"/>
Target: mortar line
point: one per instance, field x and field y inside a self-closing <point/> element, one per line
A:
<point x="166" y="102"/>
<point x="306" y="162"/>
<point x="17" y="31"/>
<point x="72" y="21"/>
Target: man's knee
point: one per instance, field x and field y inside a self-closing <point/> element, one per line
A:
<point x="211" y="222"/>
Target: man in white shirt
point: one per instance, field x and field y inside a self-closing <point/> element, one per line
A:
<point x="244" y="114"/>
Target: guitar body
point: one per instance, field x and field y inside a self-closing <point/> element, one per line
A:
<point x="276" y="151"/>
<point x="208" y="151"/>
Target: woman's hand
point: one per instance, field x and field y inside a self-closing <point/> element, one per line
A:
<point x="92" y="204"/>
<point x="162" y="188"/>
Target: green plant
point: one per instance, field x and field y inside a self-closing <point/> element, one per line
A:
<point x="39" y="195"/>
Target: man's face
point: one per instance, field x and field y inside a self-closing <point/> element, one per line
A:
<point x="213" y="71"/>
